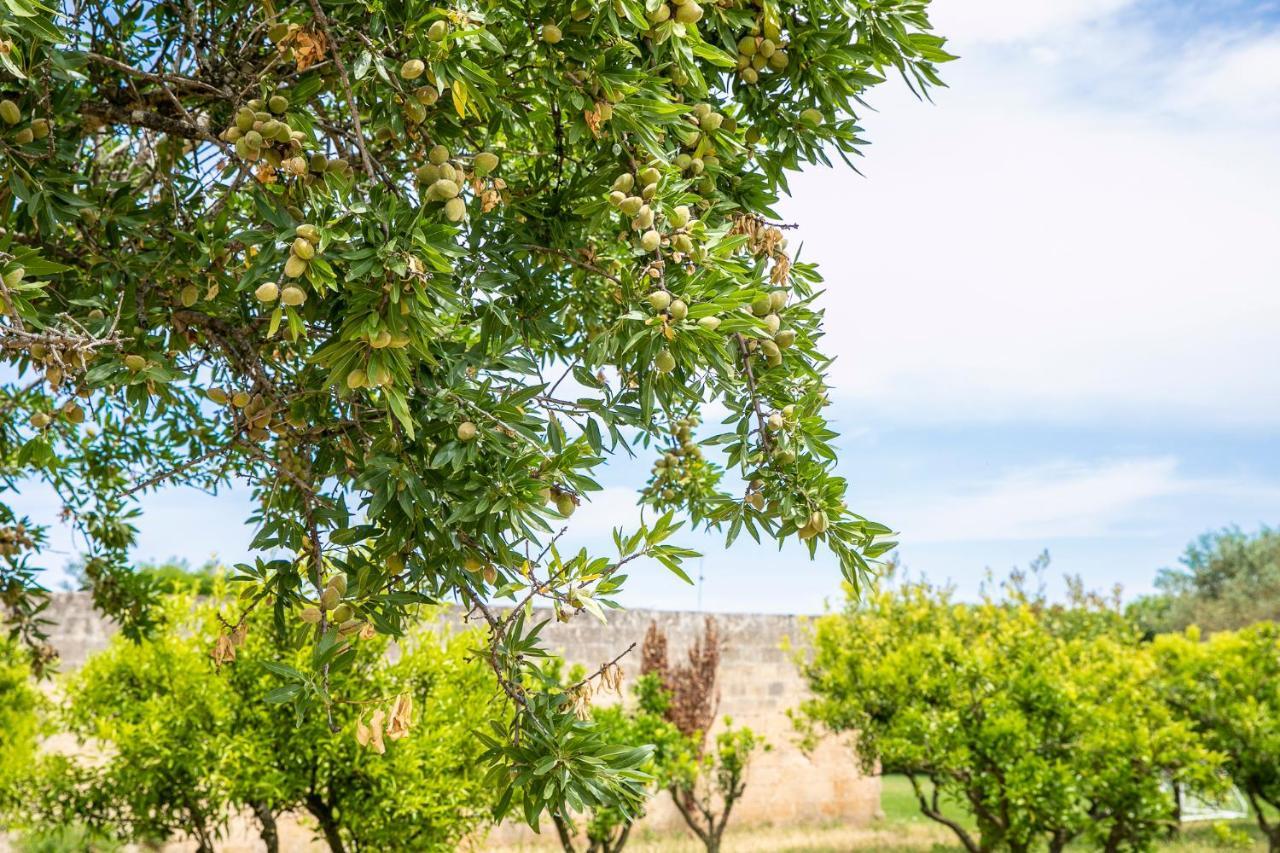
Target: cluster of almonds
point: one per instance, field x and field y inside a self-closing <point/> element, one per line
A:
<point x="397" y="724"/>
<point x="415" y="109"/>
<point x="304" y="247"/>
<point x="442" y="180"/>
<point x="14" y="540"/>
<point x="685" y="12"/>
<point x="70" y="411"/>
<point x="259" y="416"/>
<point x="11" y="115"/>
<point x="258" y="134"/>
<point x="476" y="566"/>
<point x="757" y="53"/>
<point x="672" y="469"/>
<point x="341" y="614"/>
<point x="641" y="213"/>
<point x="766" y="307"/>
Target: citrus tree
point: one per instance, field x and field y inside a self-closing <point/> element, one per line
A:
<point x="1228" y="688"/>
<point x="415" y="272"/>
<point x="19" y="728"/>
<point x="1013" y="734"/>
<point x="174" y="749"/>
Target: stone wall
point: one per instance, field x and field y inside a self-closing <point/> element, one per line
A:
<point x="758" y="684"/>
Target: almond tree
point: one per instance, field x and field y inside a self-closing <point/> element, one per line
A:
<point x="415" y="272"/>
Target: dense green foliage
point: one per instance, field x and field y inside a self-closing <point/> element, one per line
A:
<point x="1228" y="688"/>
<point x="19" y="726"/>
<point x="415" y="272"/>
<point x="1040" y="722"/>
<point x="1228" y="579"/>
<point x="186" y="746"/>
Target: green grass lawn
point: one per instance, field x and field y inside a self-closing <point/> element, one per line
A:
<point x="898" y="802"/>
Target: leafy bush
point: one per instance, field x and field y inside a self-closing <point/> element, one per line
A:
<point x="1044" y="729"/>
<point x="1228" y="689"/>
<point x="19" y="727"/>
<point x="184" y="743"/>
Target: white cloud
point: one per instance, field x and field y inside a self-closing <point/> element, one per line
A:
<point x="979" y="21"/>
<point x="1061" y="500"/>
<point x="1017" y="253"/>
<point x="1238" y="77"/>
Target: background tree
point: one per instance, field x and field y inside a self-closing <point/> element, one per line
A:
<point x="19" y="729"/>
<point x="1228" y="579"/>
<point x="1043" y="729"/>
<point x="414" y="272"/>
<point x="705" y="776"/>
<point x="1228" y="689"/>
<point x="174" y="765"/>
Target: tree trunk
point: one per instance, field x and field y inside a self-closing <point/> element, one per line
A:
<point x="269" y="832"/>
<point x="562" y="830"/>
<point x="328" y="825"/>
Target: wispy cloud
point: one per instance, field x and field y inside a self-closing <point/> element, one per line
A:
<point x="1086" y="238"/>
<point x="1064" y="499"/>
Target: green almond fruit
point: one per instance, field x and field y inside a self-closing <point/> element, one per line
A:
<point x="785" y="338"/>
<point x="777" y="300"/>
<point x="415" y="112"/>
<point x="310" y="615"/>
<point x="811" y="117"/>
<point x="659" y="299"/>
<point x="631" y="205"/>
<point x="278" y="104"/>
<point x="40" y="128"/>
<point x="711" y="121"/>
<point x="678" y="310"/>
<point x="565" y="504"/>
<point x="438" y="154"/>
<point x="135" y="362"/>
<point x="427" y="95"/>
<point x="14" y="276"/>
<point x="779" y="60"/>
<point x="24" y="136"/>
<point x="650" y="176"/>
<point x="381" y="340"/>
<point x="749" y="76"/>
<point x="455" y="210"/>
<point x="747" y="45"/>
<point x="9" y="112"/>
<point x="466" y="431"/>
<point x="665" y="362"/>
<point x="303" y="248"/>
<point x="330" y="598"/>
<point x="709" y="323"/>
<point x="189" y="296"/>
<point x="412" y="69"/>
<point x="356" y="379"/>
<point x="624" y="182"/>
<point x="445" y="189"/>
<point x="650" y="241"/>
<point x="295" y="266"/>
<point x="761" y="306"/>
<point x="616" y="198"/>
<point x="438" y="30"/>
<point x="293" y="296"/>
<point x="484" y="163"/>
<point x="679" y="217"/>
<point x="772" y="322"/>
<point x="307" y="232"/>
<point x="551" y="34"/>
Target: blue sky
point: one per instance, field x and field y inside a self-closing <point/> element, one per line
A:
<point x="1053" y="296"/>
